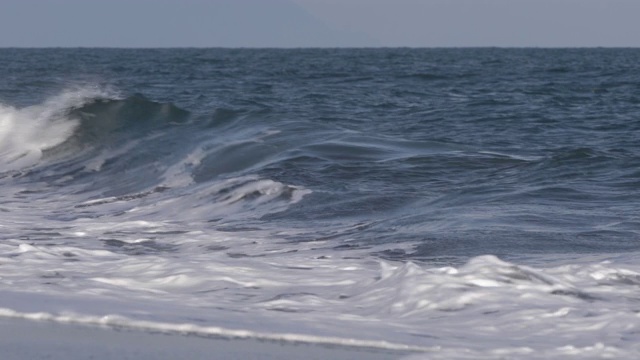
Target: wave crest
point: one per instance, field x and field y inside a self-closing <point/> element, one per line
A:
<point x="26" y="133"/>
<point x="102" y="116"/>
<point x="75" y="119"/>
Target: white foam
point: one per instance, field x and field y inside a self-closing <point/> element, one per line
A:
<point x="26" y="132"/>
<point x="238" y="198"/>
<point x="180" y="174"/>
<point x="482" y="309"/>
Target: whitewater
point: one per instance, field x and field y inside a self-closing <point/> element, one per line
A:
<point x="440" y="203"/>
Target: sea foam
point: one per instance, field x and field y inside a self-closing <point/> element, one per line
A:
<point x="26" y="132"/>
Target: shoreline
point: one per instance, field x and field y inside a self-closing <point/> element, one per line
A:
<point x="29" y="339"/>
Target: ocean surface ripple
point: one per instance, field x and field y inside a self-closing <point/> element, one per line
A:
<point x="456" y="203"/>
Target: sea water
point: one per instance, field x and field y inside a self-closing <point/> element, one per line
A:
<point x="468" y="203"/>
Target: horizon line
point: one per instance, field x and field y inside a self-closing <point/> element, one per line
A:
<point x="320" y="47"/>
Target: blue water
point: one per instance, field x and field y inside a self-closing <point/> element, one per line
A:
<point x="418" y="160"/>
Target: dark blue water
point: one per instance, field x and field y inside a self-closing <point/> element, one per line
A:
<point x="401" y="156"/>
<point x="460" y="151"/>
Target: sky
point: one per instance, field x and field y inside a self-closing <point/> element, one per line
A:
<point x="319" y="23"/>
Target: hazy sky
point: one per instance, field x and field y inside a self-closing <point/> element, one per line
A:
<point x="318" y="23"/>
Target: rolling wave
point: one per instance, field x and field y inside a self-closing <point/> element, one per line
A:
<point x="77" y="119"/>
<point x="100" y="117"/>
<point x="25" y="133"/>
<point x="115" y="154"/>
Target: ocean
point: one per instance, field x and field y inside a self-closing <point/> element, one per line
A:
<point x="456" y="203"/>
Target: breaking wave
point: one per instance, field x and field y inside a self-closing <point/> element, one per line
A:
<point x="25" y="133"/>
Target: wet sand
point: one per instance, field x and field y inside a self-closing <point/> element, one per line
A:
<point x="26" y="339"/>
